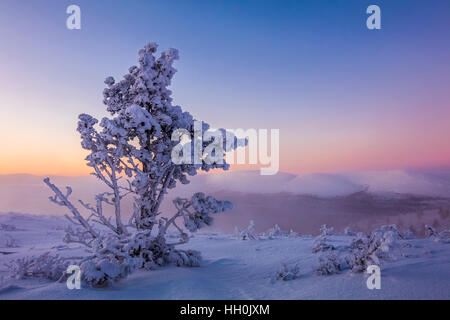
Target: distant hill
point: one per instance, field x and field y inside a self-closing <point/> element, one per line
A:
<point x="300" y="202"/>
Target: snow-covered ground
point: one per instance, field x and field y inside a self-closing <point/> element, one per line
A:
<point x="231" y="269"/>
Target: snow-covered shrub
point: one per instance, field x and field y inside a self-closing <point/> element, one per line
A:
<point x="132" y="153"/>
<point x="248" y="233"/>
<point x="392" y="228"/>
<point x="292" y="234"/>
<point x="330" y="263"/>
<point x="325" y="231"/>
<point x="47" y="266"/>
<point x="444" y="235"/>
<point x="11" y="242"/>
<point x="368" y="250"/>
<point x="7" y="227"/>
<point x="406" y="245"/>
<point x="276" y="232"/>
<point x="321" y="245"/>
<point x="364" y="250"/>
<point x="408" y="235"/>
<point x="349" y="232"/>
<point x="117" y="255"/>
<point x="288" y="272"/>
<point x="115" y="258"/>
<point x="431" y="232"/>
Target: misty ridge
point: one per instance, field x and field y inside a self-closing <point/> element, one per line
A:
<point x="361" y="200"/>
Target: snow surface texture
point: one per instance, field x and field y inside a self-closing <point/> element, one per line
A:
<point x="233" y="268"/>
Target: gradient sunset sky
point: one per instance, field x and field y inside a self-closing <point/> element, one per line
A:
<point x="344" y="97"/>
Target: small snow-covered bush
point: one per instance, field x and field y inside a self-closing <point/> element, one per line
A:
<point x="47" y="266"/>
<point x="321" y="242"/>
<point x="325" y="231"/>
<point x="288" y="272"/>
<point x="7" y="227"/>
<point x="368" y="250"/>
<point x="330" y="263"/>
<point x="275" y="232"/>
<point x="248" y="233"/>
<point x="11" y="242"/>
<point x="431" y="232"/>
<point x="408" y="235"/>
<point x="116" y="257"/>
<point x="321" y="245"/>
<point x="349" y="232"/>
<point x="392" y="229"/>
<point x="444" y="235"/>
<point x="292" y="234"/>
<point x="363" y="251"/>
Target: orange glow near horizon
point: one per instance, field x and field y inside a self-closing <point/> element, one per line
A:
<point x="344" y="98"/>
<point x="418" y="140"/>
<point x="48" y="148"/>
<point x="323" y="157"/>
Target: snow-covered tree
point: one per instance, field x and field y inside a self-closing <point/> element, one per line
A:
<point x="431" y="232"/>
<point x="321" y="242"/>
<point x="349" y="232"/>
<point x="409" y="234"/>
<point x="248" y="233"/>
<point x="364" y="250"/>
<point x="325" y="231"/>
<point x="444" y="235"/>
<point x="275" y="232"/>
<point x="288" y="272"/>
<point x="391" y="228"/>
<point x="292" y="234"/>
<point x="368" y="250"/>
<point x="11" y="242"/>
<point x="132" y="153"/>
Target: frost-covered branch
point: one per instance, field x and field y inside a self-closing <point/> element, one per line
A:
<point x="63" y="200"/>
